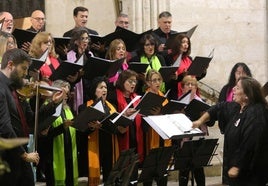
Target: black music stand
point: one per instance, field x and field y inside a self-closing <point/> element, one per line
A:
<point x="123" y="168"/>
<point x="156" y="163"/>
<point x="195" y="154"/>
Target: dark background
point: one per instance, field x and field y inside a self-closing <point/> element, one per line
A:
<point x="21" y="8"/>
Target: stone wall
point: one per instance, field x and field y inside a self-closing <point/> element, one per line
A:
<point x="236" y="29"/>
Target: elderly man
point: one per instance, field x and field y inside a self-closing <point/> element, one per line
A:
<point x="8" y="23"/>
<point x="38" y="21"/>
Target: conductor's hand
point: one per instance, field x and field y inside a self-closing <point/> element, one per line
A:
<point x="31" y="157"/>
<point x="233" y="172"/>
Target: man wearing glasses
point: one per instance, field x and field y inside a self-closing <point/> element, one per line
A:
<point x="38" y="21"/>
<point x="8" y="23"/>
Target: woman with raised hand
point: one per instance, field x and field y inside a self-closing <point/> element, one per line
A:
<point x="245" y="124"/>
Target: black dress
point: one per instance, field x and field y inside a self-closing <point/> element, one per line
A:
<point x="245" y="141"/>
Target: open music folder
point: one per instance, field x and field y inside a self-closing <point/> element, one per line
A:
<point x="138" y="67"/>
<point x="97" y="66"/>
<point x="170" y="40"/>
<point x="173" y="126"/>
<point x="109" y="122"/>
<point x="148" y="102"/>
<point x="23" y="36"/>
<point x="199" y="65"/>
<point x="67" y="68"/>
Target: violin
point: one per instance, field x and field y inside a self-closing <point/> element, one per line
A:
<point x="29" y="90"/>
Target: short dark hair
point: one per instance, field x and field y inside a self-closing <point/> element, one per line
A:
<point x="79" y="9"/>
<point x="164" y="14"/>
<point x="124" y="75"/>
<point x="17" y="56"/>
<point x="94" y="84"/>
<point x="142" y="42"/>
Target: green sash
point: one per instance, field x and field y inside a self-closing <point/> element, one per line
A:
<point x="58" y="152"/>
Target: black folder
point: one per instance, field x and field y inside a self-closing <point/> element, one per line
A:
<point x="167" y="72"/>
<point x="171" y="38"/>
<point x="38" y="63"/>
<point x="96" y="66"/>
<point x="148" y="102"/>
<point x="195" y="109"/>
<point x="61" y="41"/>
<point x="23" y="36"/>
<point x="87" y="115"/>
<point x="65" y="69"/>
<point x="138" y="67"/>
<point x="92" y="114"/>
<point x="199" y="65"/>
<point x="173" y="106"/>
<point x="131" y="39"/>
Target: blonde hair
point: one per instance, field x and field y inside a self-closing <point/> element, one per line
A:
<point x="4" y="41"/>
<point x="35" y="49"/>
<point x="150" y="73"/>
<point x="112" y="49"/>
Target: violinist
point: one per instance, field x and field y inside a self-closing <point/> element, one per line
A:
<point x="14" y="67"/>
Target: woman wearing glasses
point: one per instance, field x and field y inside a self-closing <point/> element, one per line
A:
<point x="147" y="54"/>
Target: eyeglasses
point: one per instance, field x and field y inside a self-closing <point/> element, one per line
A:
<point x="39" y="19"/>
<point x="149" y="44"/>
<point x="156" y="80"/>
<point x="84" y="38"/>
<point x="132" y="81"/>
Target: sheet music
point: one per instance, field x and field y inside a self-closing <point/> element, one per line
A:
<point x="44" y="56"/>
<point x="170" y="125"/>
<point x="99" y="106"/>
<point x="80" y="61"/>
<point x="58" y="110"/>
<point x="178" y="61"/>
<point x="167" y="93"/>
<point x="123" y="111"/>
<point x="186" y="99"/>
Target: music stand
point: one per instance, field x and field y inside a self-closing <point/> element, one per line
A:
<point x="123" y="168"/>
<point x="156" y="163"/>
<point x="195" y="154"/>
